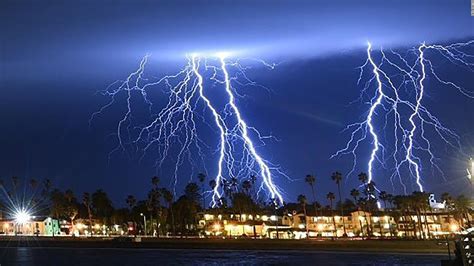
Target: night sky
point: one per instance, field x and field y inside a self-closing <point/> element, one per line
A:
<point x="55" y="56"/>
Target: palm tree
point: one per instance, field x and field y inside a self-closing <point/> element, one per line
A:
<point x="367" y="191"/>
<point x="153" y="206"/>
<point x="355" y="194"/>
<point x="462" y="205"/>
<point x="415" y="201"/>
<point x="155" y="181"/>
<point x="86" y="200"/>
<point x="337" y="177"/>
<point x="131" y="201"/>
<point x="69" y="195"/>
<point x="234" y="185"/>
<point x="202" y="178"/>
<point x="45" y="192"/>
<point x="302" y="200"/>
<point x="47" y="184"/>
<point x="33" y="183"/>
<point x="445" y="197"/>
<point x="212" y="184"/>
<point x="331" y="197"/>
<point x="390" y="200"/>
<point x="425" y="206"/>
<point x="363" y="179"/>
<point x="253" y="180"/>
<point x="383" y="195"/>
<point x="311" y="180"/>
<point x="401" y="204"/>
<point x="168" y="197"/>
<point x="15" y="181"/>
<point x="247" y="185"/>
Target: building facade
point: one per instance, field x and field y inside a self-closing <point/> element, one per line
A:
<point x="39" y="227"/>
<point x="326" y="224"/>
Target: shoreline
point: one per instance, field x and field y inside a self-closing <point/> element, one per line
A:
<point x="415" y="247"/>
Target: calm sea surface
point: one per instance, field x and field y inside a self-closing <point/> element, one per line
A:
<point x="105" y="257"/>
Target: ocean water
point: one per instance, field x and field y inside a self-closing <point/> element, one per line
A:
<point x="109" y="256"/>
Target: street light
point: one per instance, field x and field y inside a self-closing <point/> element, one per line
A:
<point x="470" y="173"/>
<point x="22" y="217"/>
<point x="144" y="221"/>
<point x="470" y="169"/>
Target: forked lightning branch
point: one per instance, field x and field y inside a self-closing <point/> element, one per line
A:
<point x="176" y="126"/>
<point x="396" y="123"/>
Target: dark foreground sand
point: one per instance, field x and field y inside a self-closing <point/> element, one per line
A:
<point x="383" y="246"/>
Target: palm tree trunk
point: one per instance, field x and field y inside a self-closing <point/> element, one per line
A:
<point x="361" y="228"/>
<point x="333" y="221"/>
<point x="380" y="228"/>
<point x="369" y="225"/>
<point x="151" y="222"/>
<point x="72" y="225"/>
<point x="360" y="222"/>
<point x="342" y="209"/>
<point x="415" y="228"/>
<point x="90" y="219"/>
<point x="254" y="225"/>
<point x="173" y="228"/>
<point x="158" y="221"/>
<point x="404" y="219"/>
<point x="426" y="224"/>
<point x="305" y="222"/>
<point x="468" y="220"/>
<point x="203" y="198"/>
<point x="420" y="226"/>
<point x="314" y="199"/>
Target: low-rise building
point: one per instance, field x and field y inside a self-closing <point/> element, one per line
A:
<point x="326" y="223"/>
<point x="243" y="225"/>
<point x="35" y="226"/>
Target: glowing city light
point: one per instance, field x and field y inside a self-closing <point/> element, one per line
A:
<point x="454" y="227"/>
<point x="22" y="217"/>
<point x="470" y="169"/>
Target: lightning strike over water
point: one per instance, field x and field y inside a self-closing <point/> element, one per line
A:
<point x="178" y="127"/>
<point x="397" y="121"/>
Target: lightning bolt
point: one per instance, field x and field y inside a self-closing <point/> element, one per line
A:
<point x="265" y="171"/>
<point x="378" y="100"/>
<point x="216" y="196"/>
<point x="396" y="81"/>
<point x="174" y="129"/>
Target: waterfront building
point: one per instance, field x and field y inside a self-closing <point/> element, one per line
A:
<point x="326" y="224"/>
<point x="35" y="226"/>
<point x="243" y="225"/>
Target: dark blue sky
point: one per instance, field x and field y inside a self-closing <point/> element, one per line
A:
<point x="54" y="56"/>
